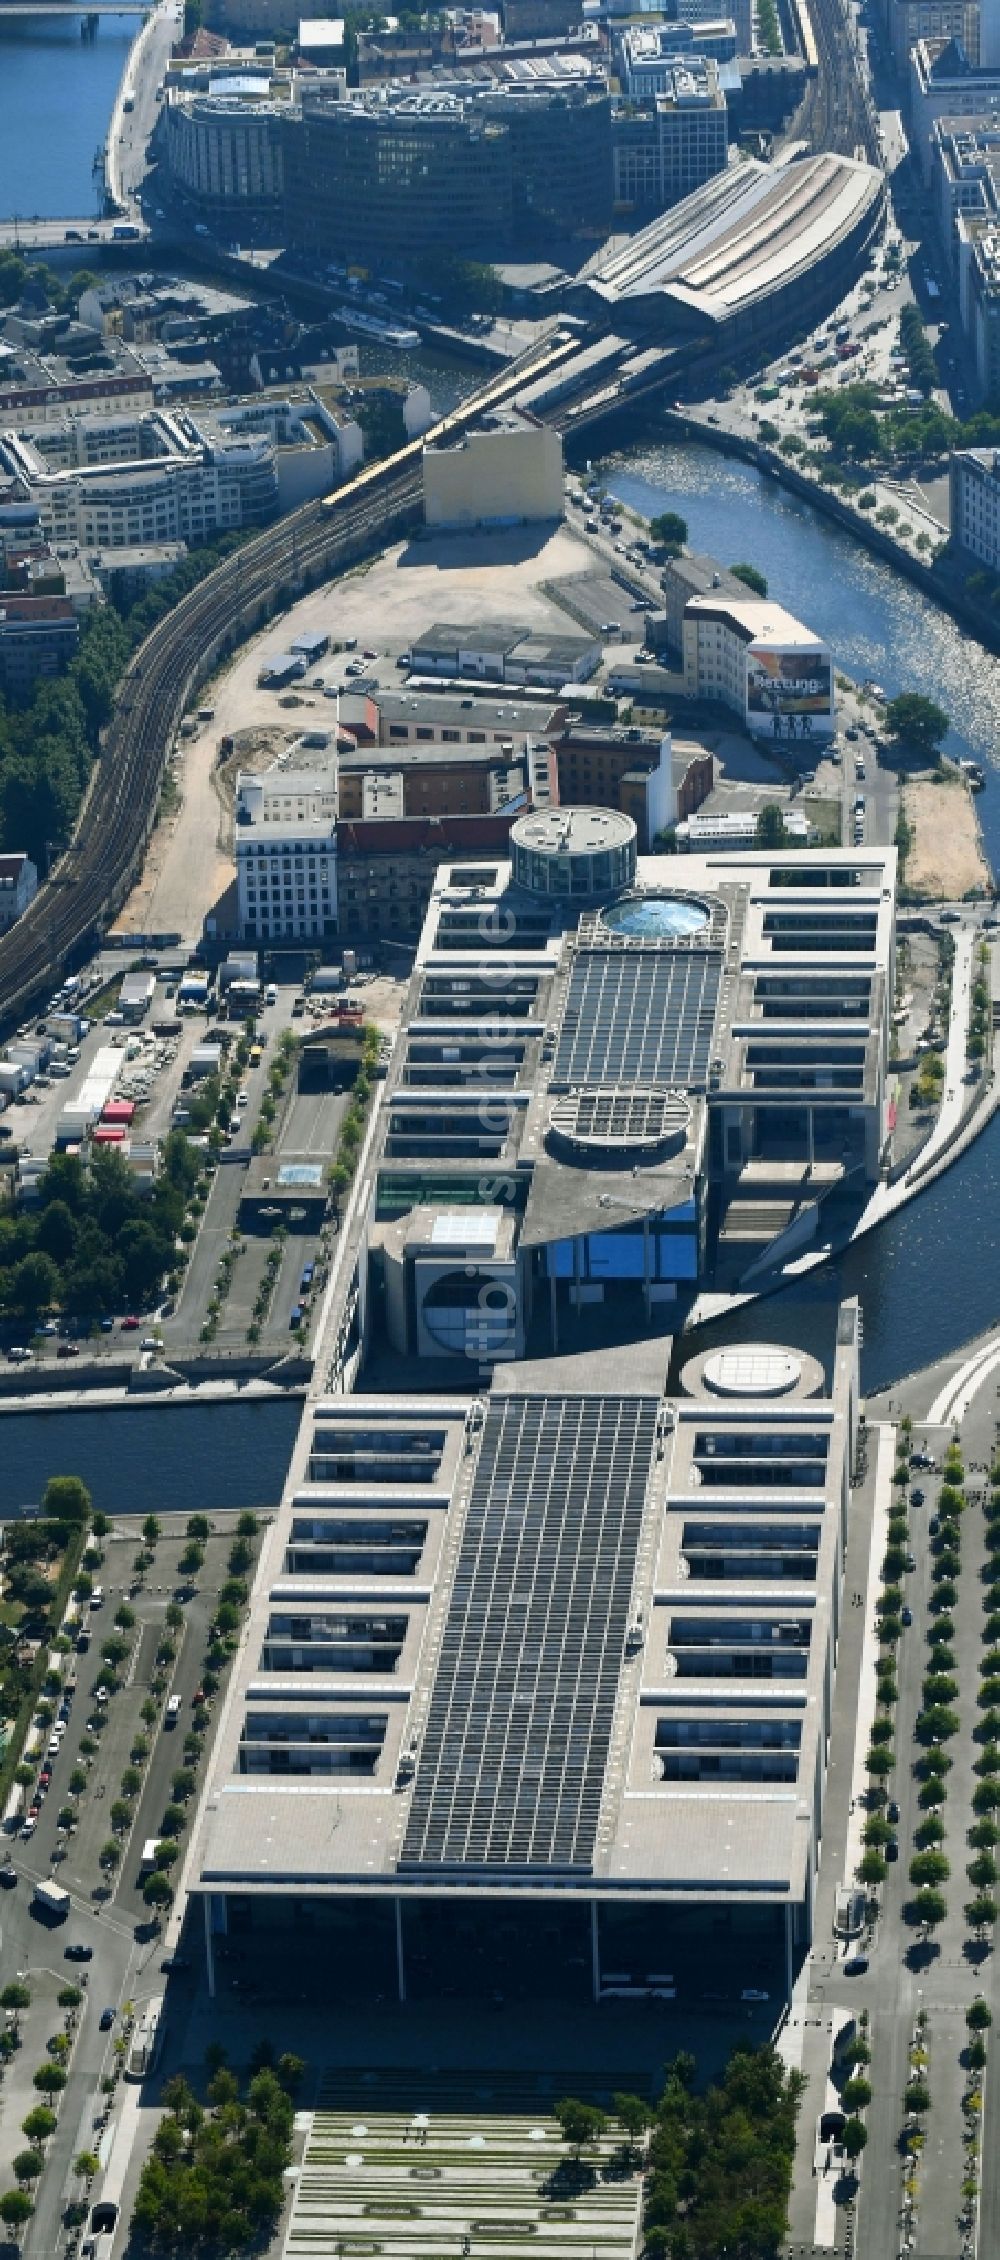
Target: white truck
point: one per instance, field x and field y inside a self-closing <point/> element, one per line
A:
<point x="52" y="1899"/>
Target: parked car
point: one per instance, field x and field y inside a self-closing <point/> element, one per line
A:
<point x="856" y="1965"/>
<point x="78" y="1952"/>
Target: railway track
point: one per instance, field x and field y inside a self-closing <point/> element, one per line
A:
<point x="94" y="876"/>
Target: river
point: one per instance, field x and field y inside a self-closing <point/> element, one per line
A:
<point x="878" y="625"/>
<point x="57" y="92"/>
<point x="929" y="1279"/>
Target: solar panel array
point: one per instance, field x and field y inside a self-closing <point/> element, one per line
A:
<point x="638" y="1015"/>
<point x="512" y="1764"/>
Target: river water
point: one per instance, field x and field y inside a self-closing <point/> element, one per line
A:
<point x="57" y="92"/>
<point x="878" y="625"/>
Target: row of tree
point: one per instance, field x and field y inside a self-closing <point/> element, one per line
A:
<point x="95" y="1242"/>
<point x="214" y="2180"/>
<point x="48" y="746"/>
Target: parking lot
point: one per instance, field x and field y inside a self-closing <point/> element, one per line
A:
<point x="110" y="1945"/>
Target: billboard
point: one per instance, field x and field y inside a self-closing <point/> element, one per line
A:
<point x="789" y="693"/>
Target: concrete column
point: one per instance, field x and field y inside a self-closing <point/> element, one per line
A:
<point x="595" y="1950"/>
<point x="400" y="1963"/>
<point x="209" y="1956"/>
<point x="788" y="1952"/>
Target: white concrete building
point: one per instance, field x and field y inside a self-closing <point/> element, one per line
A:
<point x="224" y="150"/>
<point x="18" y="884"/>
<point x="754" y="657"/>
<point x="509" y="472"/>
<point x="286" y="849"/>
<point x="165" y="478"/>
<point x="975" y="505"/>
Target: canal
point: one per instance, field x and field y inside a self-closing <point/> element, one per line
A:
<point x="879" y="626"/>
<point x="929" y="1279"/>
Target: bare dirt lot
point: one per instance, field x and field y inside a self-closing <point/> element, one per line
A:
<point x="946" y="857"/>
<point x="468" y="578"/>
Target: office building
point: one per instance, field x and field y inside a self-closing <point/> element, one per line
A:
<point x="652" y="57"/>
<point x="751" y="654"/>
<point x="979" y="295"/>
<point x="645" y="774"/>
<point x="975" y="505"/>
<point x="965" y="174"/>
<point x="419" y="1755"/>
<point x="224" y="150"/>
<point x="910" y="21"/>
<point x="665" y="151"/>
<point x="397" y="176"/>
<point x="161" y="478"/>
<point x="38" y="636"/>
<point x="945" y="83"/>
<point x="433" y="779"/>
<point x="509" y="471"/>
<point x="18" y="885"/>
<point x="285" y="838"/>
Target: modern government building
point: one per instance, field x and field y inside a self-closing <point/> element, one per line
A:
<point x="535" y="1691"/>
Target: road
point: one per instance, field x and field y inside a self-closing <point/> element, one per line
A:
<point x="123" y="1967"/>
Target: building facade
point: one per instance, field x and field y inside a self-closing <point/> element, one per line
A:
<point x="753" y="656"/>
<point x="18" y="886"/>
<point x="510" y="470"/>
<point x="395" y="177"/>
<point x="166" y="479"/>
<point x="975" y="505"/>
<point x="38" y="636"/>
<point x="285" y="838"/>
<point x="420" y="1759"/>
<point x="225" y="153"/>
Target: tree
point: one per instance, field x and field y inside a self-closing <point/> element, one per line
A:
<point x="15" y="2208"/>
<point x="198" y="1526"/>
<point x="979" y="2015"/>
<point x="872" y="1866"/>
<point x="981" y="1912"/>
<point x="669" y="530"/>
<point x="917" y="722"/>
<point x="856" y="2094"/>
<point x="28" y="2165"/>
<point x="39" y="2124"/>
<point x="157" y="1890"/>
<point x="66" y="1499"/>
<point x="48" y="2079"/>
<point x="579" y="2123"/>
<point x="131" y="1781"/>
<point x="110" y="1853"/>
<point x="854" y="2137"/>
<point x="166" y="1853"/>
<point x="929" y="1907"/>
<point x="770" y="830"/>
<point x="752" y="577"/>
<point x="983" y="1870"/>
<point x="182" y="1783"/>
<point x="917" y="2095"/>
<point x="930" y="1867"/>
<point x="32" y="1285"/>
<point x="151" y="1530"/>
<point x="174" y="1820"/>
<point x="291" y="2072"/>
